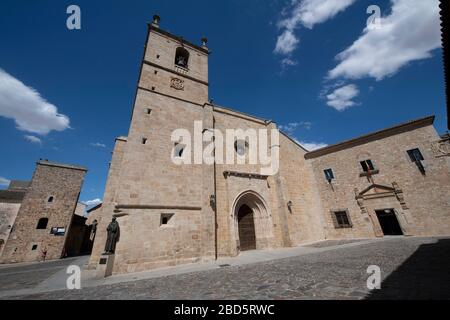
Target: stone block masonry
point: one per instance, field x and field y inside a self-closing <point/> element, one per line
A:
<point x="49" y="203"/>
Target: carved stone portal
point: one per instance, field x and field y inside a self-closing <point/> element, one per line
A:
<point x="377" y="191"/>
<point x="441" y="148"/>
<point x="360" y="201"/>
<point x="177" y="83"/>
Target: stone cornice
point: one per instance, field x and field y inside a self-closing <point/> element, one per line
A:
<point x="240" y="115"/>
<point x="155" y="206"/>
<point x="177" y="38"/>
<point x="174" y="72"/>
<point x="244" y="175"/>
<point x="61" y="165"/>
<point x="415" y="124"/>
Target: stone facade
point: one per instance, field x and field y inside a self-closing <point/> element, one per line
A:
<point x="50" y="202"/>
<point x="421" y="201"/>
<point x="10" y="201"/>
<point x="171" y="214"/>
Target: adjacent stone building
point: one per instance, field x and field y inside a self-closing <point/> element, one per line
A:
<point x="44" y="211"/>
<point x="395" y="181"/>
<point x="10" y="201"/>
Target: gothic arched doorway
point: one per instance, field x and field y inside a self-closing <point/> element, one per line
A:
<point x="246" y="226"/>
<point x="252" y="223"/>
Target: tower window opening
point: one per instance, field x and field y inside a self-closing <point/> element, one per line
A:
<point x="165" y="218"/>
<point x="149" y="111"/>
<point x="241" y="147"/>
<point x="42" y="223"/>
<point x="51" y="199"/>
<point x="178" y="150"/>
<point x="182" y="57"/>
<point x="144" y="140"/>
<point x="415" y="155"/>
<point x="367" y="165"/>
<point x="329" y="175"/>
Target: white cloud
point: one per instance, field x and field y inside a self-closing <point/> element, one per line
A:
<point x="286" y="42"/>
<point x="4" y="182"/>
<point x="93" y="202"/>
<point x="288" y="62"/>
<point x="291" y="127"/>
<point x="306" y="13"/>
<point x="30" y="111"/>
<point x="410" y="32"/>
<point x="341" y="98"/>
<point x="311" y="146"/>
<point x="97" y="144"/>
<point x="33" y="139"/>
<point x="311" y="12"/>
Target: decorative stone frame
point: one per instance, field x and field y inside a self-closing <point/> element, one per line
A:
<point x="262" y="218"/>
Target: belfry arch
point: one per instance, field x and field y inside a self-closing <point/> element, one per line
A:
<point x="252" y="222"/>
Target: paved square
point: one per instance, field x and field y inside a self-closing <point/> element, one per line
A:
<point x="412" y="268"/>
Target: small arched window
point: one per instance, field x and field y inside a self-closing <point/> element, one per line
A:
<point x="42" y="223"/>
<point x="50" y="199"/>
<point x="182" y="57"/>
<point x="178" y="150"/>
<point x="241" y="147"/>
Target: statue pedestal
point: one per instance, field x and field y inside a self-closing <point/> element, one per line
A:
<point x="105" y="265"/>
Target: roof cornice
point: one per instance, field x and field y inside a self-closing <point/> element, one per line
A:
<point x="408" y="126"/>
<point x="151" y="27"/>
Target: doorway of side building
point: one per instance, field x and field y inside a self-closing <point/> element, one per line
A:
<point x="246" y="225"/>
<point x="389" y="222"/>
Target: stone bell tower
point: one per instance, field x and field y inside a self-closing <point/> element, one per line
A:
<point x="163" y="209"/>
<point x="175" y="67"/>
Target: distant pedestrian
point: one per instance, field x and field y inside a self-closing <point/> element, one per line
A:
<point x="44" y="254"/>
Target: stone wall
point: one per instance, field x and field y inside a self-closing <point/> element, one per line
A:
<point x="422" y="206"/>
<point x="144" y="184"/>
<point x="305" y="219"/>
<point x="8" y="214"/>
<point x="61" y="182"/>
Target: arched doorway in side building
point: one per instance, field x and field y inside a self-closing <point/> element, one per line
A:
<point x="389" y="222"/>
<point x="246" y="226"/>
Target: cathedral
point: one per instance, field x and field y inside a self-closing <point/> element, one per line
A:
<point x="391" y="182"/>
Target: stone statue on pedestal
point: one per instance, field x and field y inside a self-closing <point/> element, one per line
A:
<point x="113" y="231"/>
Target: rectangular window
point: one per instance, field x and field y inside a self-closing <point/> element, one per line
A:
<point x="415" y="155"/>
<point x="144" y="140"/>
<point x="165" y="218"/>
<point x="329" y="174"/>
<point x="367" y="165"/>
<point x="149" y="111"/>
<point x="341" y="219"/>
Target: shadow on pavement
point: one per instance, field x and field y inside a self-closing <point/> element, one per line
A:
<point x="424" y="275"/>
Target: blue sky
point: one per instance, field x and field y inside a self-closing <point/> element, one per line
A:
<point x="275" y="59"/>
